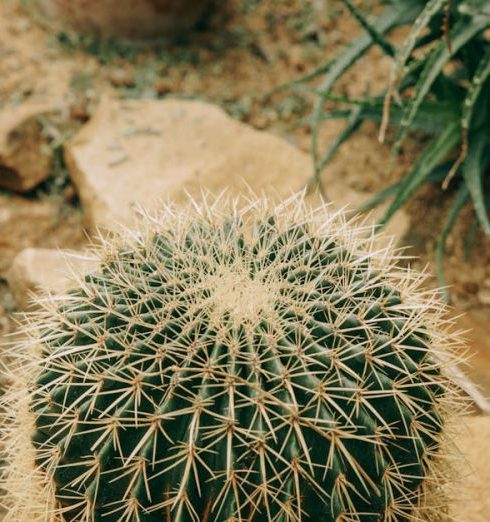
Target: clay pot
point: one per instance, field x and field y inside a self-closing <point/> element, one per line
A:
<point x="134" y="19"/>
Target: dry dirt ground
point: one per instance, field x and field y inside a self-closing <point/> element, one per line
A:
<point x="234" y="60"/>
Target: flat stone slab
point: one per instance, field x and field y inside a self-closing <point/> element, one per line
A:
<point x="143" y="152"/>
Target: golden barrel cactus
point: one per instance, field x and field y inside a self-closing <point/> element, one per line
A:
<point x="234" y="362"/>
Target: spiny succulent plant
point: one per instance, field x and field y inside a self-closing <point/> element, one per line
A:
<point x="438" y="86"/>
<point x="234" y="361"/>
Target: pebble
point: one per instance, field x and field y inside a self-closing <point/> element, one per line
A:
<point x="69" y="194"/>
<point x="296" y="57"/>
<point x="470" y="287"/>
<point x="121" y="78"/>
<point x="484" y="296"/>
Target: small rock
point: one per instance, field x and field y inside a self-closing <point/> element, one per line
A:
<point x="162" y="86"/>
<point x="79" y="111"/>
<point x="69" y="194"/>
<point x="38" y="271"/>
<point x="23" y="161"/>
<point x="121" y="77"/>
<point x="484" y="296"/>
<point x="470" y="287"/>
<point x="296" y="58"/>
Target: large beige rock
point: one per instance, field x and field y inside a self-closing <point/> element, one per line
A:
<point x="38" y="271"/>
<point x="472" y="496"/>
<point x="144" y="151"/>
<point x="24" y="162"/>
<point x="140" y="19"/>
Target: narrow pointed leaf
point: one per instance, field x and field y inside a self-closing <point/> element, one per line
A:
<point x="398" y="71"/>
<point x="480" y="78"/>
<point x="351" y="126"/>
<point x="420" y="24"/>
<point x="433" y="155"/>
<point x="475" y="7"/>
<point x="375" y="35"/>
<point x="459" y="202"/>
<point x="390" y="18"/>
<point x="474" y="169"/>
<point x="460" y="35"/>
<point x="432" y="117"/>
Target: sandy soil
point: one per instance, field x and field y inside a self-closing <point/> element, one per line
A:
<point x="234" y="60"/>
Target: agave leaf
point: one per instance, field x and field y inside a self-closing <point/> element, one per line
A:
<point x="380" y="197"/>
<point x="351" y="126"/>
<point x="421" y="22"/>
<point x="475" y="8"/>
<point x="462" y="32"/>
<point x="438" y="174"/>
<point x="459" y="202"/>
<point x="413" y="70"/>
<point x="375" y="35"/>
<point x="390" y="18"/>
<point x="434" y="153"/>
<point x="474" y="169"/>
<point x="398" y="14"/>
<point x="432" y="117"/>
<point x="479" y="79"/>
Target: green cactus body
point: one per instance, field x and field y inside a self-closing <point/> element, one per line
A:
<point x="259" y="365"/>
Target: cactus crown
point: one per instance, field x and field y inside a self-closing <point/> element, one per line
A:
<point x="234" y="363"/>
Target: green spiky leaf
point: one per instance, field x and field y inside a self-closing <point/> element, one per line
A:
<point x="460" y="35"/>
<point x="459" y="203"/>
<point x="437" y="85"/>
<point x="433" y="154"/>
<point x="474" y="168"/>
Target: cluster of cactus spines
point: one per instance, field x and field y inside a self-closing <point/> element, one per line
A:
<point x="234" y="362"/>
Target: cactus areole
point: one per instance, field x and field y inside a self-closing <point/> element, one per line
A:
<point x="262" y="364"/>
